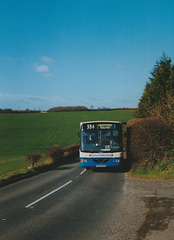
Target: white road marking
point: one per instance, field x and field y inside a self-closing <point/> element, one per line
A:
<point x="83" y="171"/>
<point x="38" y="200"/>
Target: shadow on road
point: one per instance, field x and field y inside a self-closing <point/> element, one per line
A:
<point x="126" y="167"/>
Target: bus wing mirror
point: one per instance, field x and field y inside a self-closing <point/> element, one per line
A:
<point x="123" y="124"/>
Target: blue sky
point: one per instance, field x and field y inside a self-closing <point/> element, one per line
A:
<point x="80" y="52"/>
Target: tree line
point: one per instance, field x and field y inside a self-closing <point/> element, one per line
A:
<point x="9" y="110"/>
<point x="83" y="108"/>
<point x="62" y="109"/>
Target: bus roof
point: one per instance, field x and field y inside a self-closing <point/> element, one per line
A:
<point x="100" y="122"/>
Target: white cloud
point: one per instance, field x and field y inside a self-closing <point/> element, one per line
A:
<point x="47" y="60"/>
<point x="41" y="68"/>
<point x="47" y="75"/>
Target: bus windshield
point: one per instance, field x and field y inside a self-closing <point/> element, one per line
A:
<point x="100" y="140"/>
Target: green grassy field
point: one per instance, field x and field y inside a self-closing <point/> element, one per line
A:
<point x="22" y="134"/>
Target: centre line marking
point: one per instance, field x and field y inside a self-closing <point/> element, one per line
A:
<point x="83" y="171"/>
<point x="38" y="200"/>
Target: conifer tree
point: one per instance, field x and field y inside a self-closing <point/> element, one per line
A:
<point x="161" y="82"/>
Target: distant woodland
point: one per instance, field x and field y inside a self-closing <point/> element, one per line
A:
<point x="63" y="109"/>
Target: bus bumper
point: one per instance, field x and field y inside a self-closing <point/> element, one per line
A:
<point x="99" y="163"/>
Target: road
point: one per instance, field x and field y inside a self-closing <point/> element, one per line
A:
<point x="66" y="203"/>
<point x="70" y="203"/>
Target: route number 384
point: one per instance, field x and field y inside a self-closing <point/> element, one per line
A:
<point x="90" y="126"/>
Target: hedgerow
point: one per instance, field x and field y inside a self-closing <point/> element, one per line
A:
<point x="150" y="140"/>
<point x="58" y="155"/>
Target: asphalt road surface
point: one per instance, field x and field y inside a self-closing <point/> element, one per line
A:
<point x="70" y="203"/>
<point x="66" y="203"/>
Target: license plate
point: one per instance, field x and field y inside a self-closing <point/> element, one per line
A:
<point x="100" y="165"/>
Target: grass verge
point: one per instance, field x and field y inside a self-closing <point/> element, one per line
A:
<point x="161" y="169"/>
<point x="152" y="174"/>
<point x="45" y="164"/>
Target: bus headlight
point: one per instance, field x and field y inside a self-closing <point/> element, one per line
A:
<point x="83" y="160"/>
<point x="116" y="160"/>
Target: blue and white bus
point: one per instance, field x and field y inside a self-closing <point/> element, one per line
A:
<point x="101" y="144"/>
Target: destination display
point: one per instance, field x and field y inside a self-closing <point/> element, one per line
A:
<point x="99" y="126"/>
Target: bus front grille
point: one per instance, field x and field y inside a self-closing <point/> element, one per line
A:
<point x="101" y="160"/>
